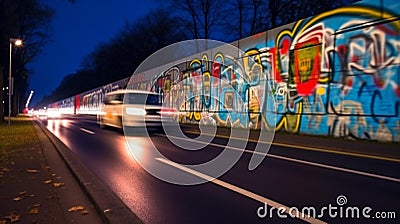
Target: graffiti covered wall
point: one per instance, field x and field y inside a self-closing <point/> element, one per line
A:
<point x="334" y="74"/>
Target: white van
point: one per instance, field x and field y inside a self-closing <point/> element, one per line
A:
<point x="131" y="108"/>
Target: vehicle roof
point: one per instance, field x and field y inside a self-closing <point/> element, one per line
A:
<point x="123" y="91"/>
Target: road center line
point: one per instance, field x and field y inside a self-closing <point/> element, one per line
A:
<point x="87" y="131"/>
<point x="300" y="161"/>
<point x="238" y="190"/>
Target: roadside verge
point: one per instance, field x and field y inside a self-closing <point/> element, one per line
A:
<point x="109" y="206"/>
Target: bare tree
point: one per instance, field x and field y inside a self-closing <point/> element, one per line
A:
<point x="277" y="12"/>
<point x="247" y="15"/>
<point x="287" y="11"/>
<point x="199" y="18"/>
<point x="257" y="20"/>
<point x="30" y="21"/>
<point x="118" y="58"/>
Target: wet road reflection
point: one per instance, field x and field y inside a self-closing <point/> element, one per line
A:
<point x="118" y="161"/>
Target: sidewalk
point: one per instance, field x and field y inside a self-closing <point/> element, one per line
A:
<point x="46" y="183"/>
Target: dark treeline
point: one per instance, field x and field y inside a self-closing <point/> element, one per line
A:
<point x="172" y="21"/>
<point x="118" y="58"/>
<point x="28" y="20"/>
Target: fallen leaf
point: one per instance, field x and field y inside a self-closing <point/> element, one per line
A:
<point x="32" y="171"/>
<point x="34" y="210"/>
<point x="17" y="199"/>
<point x="57" y="184"/>
<point x="47" y="181"/>
<point x="13" y="217"/>
<point x="107" y="210"/>
<point x="5" y="169"/>
<point x="23" y="192"/>
<point x="31" y="195"/>
<point x="85" y="212"/>
<point x="76" y="208"/>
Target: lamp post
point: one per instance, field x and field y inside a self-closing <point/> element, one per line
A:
<point x="17" y="42"/>
<point x="29" y="100"/>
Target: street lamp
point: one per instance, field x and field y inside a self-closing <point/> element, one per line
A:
<point x="16" y="42"/>
<point x="29" y="99"/>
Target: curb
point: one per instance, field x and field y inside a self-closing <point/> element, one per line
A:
<point x="108" y="205"/>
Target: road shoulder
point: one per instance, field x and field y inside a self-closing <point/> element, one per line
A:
<point x="109" y="206"/>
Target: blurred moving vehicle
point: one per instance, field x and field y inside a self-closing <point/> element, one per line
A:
<point x="131" y="108"/>
<point x="41" y="113"/>
<point x="53" y="113"/>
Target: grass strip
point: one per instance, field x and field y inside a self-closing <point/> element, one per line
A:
<point x="20" y="134"/>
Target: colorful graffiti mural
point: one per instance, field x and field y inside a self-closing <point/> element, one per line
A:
<point x="335" y="74"/>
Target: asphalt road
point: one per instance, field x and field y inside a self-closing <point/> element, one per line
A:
<point x="337" y="187"/>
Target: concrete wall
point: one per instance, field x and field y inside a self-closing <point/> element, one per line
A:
<point x="334" y="74"/>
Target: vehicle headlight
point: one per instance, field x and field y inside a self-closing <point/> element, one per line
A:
<point x="53" y="114"/>
<point x="135" y="111"/>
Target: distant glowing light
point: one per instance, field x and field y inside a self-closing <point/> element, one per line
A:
<point x="29" y="99"/>
<point x="18" y="42"/>
<point x="135" y="111"/>
<point x="53" y="113"/>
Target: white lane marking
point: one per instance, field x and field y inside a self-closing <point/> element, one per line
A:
<point x="335" y="168"/>
<point x="239" y="190"/>
<point x="87" y="131"/>
<point x="301" y="161"/>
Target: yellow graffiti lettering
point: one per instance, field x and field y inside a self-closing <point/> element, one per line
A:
<point x="292" y="122"/>
<point x="220" y="57"/>
<point x="257" y="66"/>
<point x="205" y="61"/>
<point x="197" y="115"/>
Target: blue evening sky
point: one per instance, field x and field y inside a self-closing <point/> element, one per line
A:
<point x="77" y="29"/>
